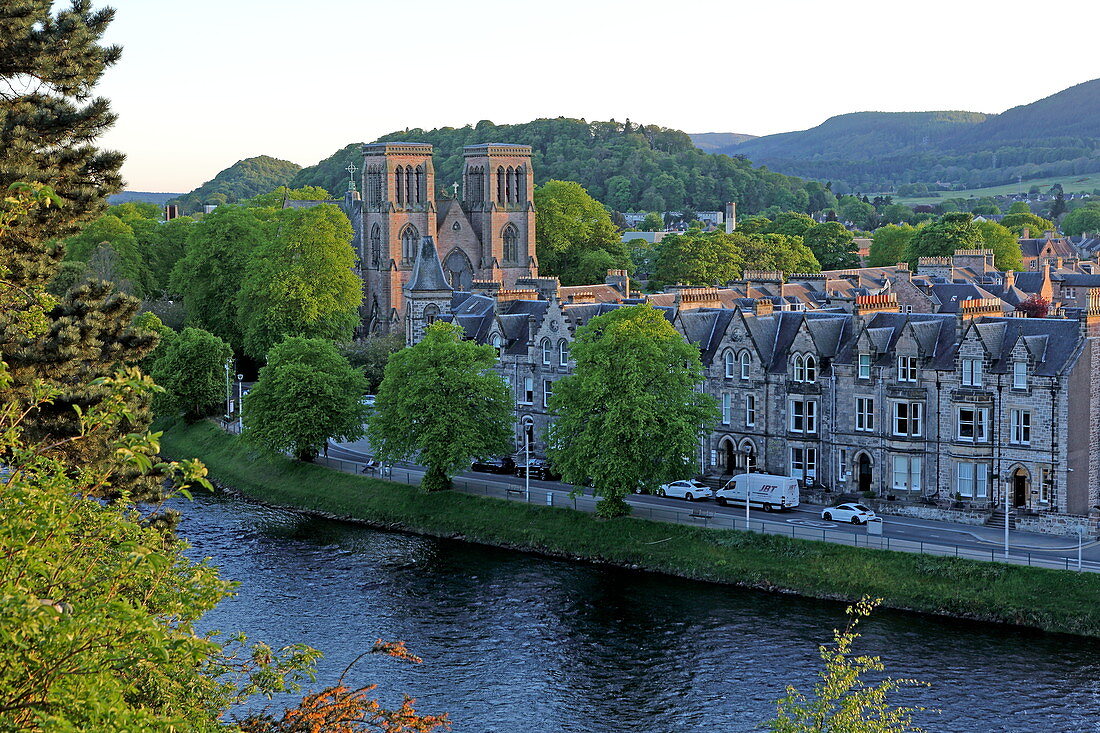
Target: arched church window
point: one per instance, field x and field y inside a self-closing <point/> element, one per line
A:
<point x="399" y="184"/>
<point x="500" y="185"/>
<point x="419" y="184"/>
<point x="375" y="246"/>
<point x="521" y="185"/>
<point x="511" y="243"/>
<point x="374" y="187"/>
<point x="410" y="186"/>
<point x="410" y="237"/>
<point x="510" y="181"/>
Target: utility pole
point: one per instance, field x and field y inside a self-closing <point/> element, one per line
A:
<point x="228" y="394"/>
<point x="1006" y="520"/>
<point x="527" y="462"/>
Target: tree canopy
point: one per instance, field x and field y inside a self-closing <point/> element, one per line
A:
<point x="191" y="369"/>
<point x="574" y="236"/>
<point x="1005" y="245"/>
<point x="441" y="401"/>
<point x="696" y="258"/>
<point x="242" y="180"/>
<point x="832" y="245"/>
<point x="630" y="416"/>
<point x="942" y="238"/>
<point x="1083" y="220"/>
<point x="890" y="245"/>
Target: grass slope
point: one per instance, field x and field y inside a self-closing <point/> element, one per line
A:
<point x="1070" y="184"/>
<point x="1047" y="599"/>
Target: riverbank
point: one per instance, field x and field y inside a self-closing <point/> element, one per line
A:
<point x="1050" y="600"/>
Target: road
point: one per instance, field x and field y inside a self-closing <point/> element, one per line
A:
<point x="980" y="539"/>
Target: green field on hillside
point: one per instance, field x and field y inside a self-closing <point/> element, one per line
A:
<point x="1070" y="184"/>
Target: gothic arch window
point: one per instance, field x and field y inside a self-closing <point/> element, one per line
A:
<point x="547" y="351"/>
<point x="374" y="186"/>
<point x="376" y="246"/>
<point x="419" y="184"/>
<point x="563" y="353"/>
<point x="410" y="186"/>
<point x="728" y="362"/>
<point x="510" y="180"/>
<point x="500" y="185"/>
<point x="399" y="184"/>
<point x="497" y="344"/>
<point x="475" y="184"/>
<point x="410" y="237"/>
<point x="521" y="185"/>
<point x="511" y="243"/>
<point x="811" y="368"/>
<point x="746" y="364"/>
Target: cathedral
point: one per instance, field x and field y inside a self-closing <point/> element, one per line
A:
<point x="485" y="230"/>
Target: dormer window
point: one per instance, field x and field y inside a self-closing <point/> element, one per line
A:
<point x="907" y="368"/>
<point x="972" y="372"/>
<point x="811" y="368"/>
<point x="864" y="366"/>
<point x="1019" y="375"/>
<point x="729" y="363"/>
<point x="746" y="363"/>
<point x="799" y="368"/>
<point x="497" y="344"/>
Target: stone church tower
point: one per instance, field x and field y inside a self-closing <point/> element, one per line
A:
<point x="487" y="233"/>
<point x="427" y="293"/>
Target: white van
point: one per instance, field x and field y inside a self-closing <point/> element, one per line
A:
<point x="767" y="492"/>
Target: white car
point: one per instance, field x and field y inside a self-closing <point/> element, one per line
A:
<point x="854" y="513"/>
<point x="689" y="489"/>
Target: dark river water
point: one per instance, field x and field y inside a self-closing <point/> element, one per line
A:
<point x="516" y="643"/>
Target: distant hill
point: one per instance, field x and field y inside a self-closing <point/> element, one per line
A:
<point x="244" y="179"/>
<point x="871" y="151"/>
<point x="718" y="142"/>
<point x="629" y="167"/>
<point x="153" y="198"/>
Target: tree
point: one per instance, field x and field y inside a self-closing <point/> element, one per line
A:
<point x="1058" y="206"/>
<point x="754" y="225"/>
<point x="1036" y="225"/>
<point x="943" y="238"/>
<point x="370" y="356"/>
<point x="441" y="401"/>
<point x="620" y="193"/>
<point x="574" y="234"/>
<point x="300" y="282"/>
<point x="1018" y="207"/>
<point x="1083" y="220"/>
<point x="777" y="252"/>
<point x="127" y="263"/>
<point x="191" y="370"/>
<point x="890" y="245"/>
<point x="209" y="275"/>
<point x="856" y="211"/>
<point x="653" y="222"/>
<point x="843" y="702"/>
<point x="1005" y="245"/>
<point x="792" y="224"/>
<point x="306" y="394"/>
<point x="697" y="258"/>
<point x="1036" y="306"/>
<point x="275" y="198"/>
<point x="630" y="416"/>
<point x="833" y="246"/>
<point x="163" y="247"/>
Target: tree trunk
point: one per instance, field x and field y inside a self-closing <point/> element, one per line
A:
<point x="435" y="480"/>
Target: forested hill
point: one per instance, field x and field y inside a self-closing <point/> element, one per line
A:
<point x="626" y="166"/>
<point x="718" y="142"/>
<point x="872" y="151"/>
<point x="244" y="179"/>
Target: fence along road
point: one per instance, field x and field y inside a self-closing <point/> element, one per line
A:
<point x="696" y="515"/>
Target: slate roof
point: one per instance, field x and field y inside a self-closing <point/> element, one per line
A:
<point x="1056" y="339"/>
<point x="949" y="296"/>
<point x="427" y="274"/>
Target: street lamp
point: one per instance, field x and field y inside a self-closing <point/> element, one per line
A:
<point x="747" y="450"/>
<point x="228" y="394"/>
<point x="527" y="463"/>
<point x="1006" y="518"/>
<point x="1080" y="541"/>
<point x="240" y="403"/>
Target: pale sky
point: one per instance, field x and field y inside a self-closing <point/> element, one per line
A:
<point x="204" y="83"/>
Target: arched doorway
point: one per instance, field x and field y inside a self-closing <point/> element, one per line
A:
<point x="459" y="271"/>
<point x="747" y="451"/>
<point x="863" y="472"/>
<point x="728" y="453"/>
<point x="1020" y="482"/>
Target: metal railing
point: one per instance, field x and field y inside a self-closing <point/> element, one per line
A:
<point x="698" y="515"/>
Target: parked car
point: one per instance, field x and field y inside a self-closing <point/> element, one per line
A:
<point x="689" y="489"/>
<point x="540" y="469"/>
<point x="765" y="491"/>
<point x="368" y="401"/>
<point x="854" y="513"/>
<point x="499" y="464"/>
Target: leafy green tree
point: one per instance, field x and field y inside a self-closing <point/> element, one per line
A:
<point x="942" y="238"/>
<point x="620" y="193"/>
<point x="1058" y="206"/>
<point x="643" y="257"/>
<point x="128" y="264"/>
<point x="698" y="258"/>
<point x="574" y="236"/>
<point x="985" y="206"/>
<point x="792" y="224"/>
<point x="832" y="245"/>
<point x="210" y="274"/>
<point x="242" y="180"/>
<point x="843" y="701"/>
<point x="301" y="282"/>
<point x="890" y="245"/>
<point x="1018" y="207"/>
<point x="275" y="198"/>
<point x="630" y="416"/>
<point x="855" y="210"/>
<point x="1005" y="245"/>
<point x="776" y="252"/>
<point x="1082" y="220"/>
<point x="754" y="224"/>
<point x="306" y="394"/>
<point x="191" y="370"/>
<point x="442" y="402"/>
<point x="370" y="356"/>
<point x="1035" y="225"/>
<point x="69" y="275"/>
<point x="897" y="214"/>
<point x="820" y="198"/>
<point x="653" y="222"/>
<point x="162" y="248"/>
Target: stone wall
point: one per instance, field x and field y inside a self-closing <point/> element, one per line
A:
<point x="1059" y="524"/>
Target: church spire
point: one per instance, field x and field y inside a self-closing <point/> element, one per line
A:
<point x="427" y="274"/>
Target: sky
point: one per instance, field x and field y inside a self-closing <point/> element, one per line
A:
<point x="205" y="83"/>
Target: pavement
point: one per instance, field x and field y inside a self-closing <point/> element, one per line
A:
<point x="980" y="538"/>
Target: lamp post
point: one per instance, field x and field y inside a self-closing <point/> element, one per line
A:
<point x="240" y="403"/>
<point x="1006" y="518"/>
<point x="1080" y="541"/>
<point x="228" y="395"/>
<point x="748" y="452"/>
<point x="527" y="463"/>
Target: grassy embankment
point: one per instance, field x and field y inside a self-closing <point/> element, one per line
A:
<point x="1052" y="600"/>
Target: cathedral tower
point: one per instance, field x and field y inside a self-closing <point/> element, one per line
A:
<point x="498" y="197"/>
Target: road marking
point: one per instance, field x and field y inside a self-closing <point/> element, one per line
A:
<point x="812" y="523"/>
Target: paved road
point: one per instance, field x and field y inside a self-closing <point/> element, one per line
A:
<point x="807" y="516"/>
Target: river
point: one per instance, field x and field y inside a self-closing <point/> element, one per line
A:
<point x="516" y="643"/>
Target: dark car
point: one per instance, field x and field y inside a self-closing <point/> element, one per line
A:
<point x="540" y="469"/>
<point x="500" y="464"/>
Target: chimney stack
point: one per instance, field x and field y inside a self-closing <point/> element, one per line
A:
<point x="731" y="217"/>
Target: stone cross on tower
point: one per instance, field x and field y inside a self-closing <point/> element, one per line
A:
<point x="351" y="176"/>
<point x="455" y="187"/>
